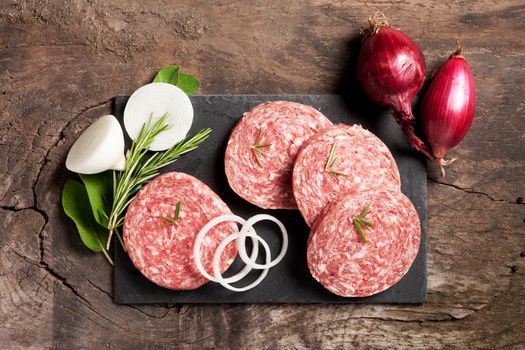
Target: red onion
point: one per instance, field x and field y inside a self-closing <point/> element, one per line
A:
<point x="391" y="69"/>
<point x="448" y="107"/>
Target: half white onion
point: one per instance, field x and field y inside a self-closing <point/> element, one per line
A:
<point x="99" y="148"/>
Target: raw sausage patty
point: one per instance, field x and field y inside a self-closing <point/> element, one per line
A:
<point x="262" y="148"/>
<point x="344" y="264"/>
<point x="163" y="251"/>
<point x="359" y="160"/>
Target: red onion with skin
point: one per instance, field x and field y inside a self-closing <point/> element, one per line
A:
<point x="448" y="107"/>
<point x="391" y="69"/>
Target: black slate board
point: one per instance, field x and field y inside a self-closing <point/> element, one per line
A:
<point x="290" y="281"/>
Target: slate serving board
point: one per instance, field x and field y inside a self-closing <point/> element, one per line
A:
<point x="290" y="281"/>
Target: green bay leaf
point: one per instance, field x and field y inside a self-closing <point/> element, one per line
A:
<point x="188" y="83"/>
<point x="169" y="74"/>
<point x="75" y="202"/>
<point x="172" y="75"/>
<point x="99" y="189"/>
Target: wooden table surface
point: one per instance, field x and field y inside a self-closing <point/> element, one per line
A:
<point x="61" y="63"/>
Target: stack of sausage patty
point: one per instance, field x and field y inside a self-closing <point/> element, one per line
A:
<point x="365" y="233"/>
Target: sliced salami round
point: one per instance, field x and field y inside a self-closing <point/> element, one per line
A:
<point x="340" y="159"/>
<point x="351" y="265"/>
<point x="262" y="148"/>
<point x="160" y="238"/>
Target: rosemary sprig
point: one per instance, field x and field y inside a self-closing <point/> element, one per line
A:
<point x="175" y="218"/>
<point x="361" y="224"/>
<point x="257" y="149"/>
<point x="332" y="159"/>
<point x="138" y="172"/>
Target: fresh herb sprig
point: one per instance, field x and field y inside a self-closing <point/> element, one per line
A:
<point x="175" y="218"/>
<point x="137" y="172"/>
<point x="257" y="149"/>
<point x="361" y="224"/>
<point x="332" y="159"/>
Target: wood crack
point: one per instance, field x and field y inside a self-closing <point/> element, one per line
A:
<point x="200" y="340"/>
<point x="47" y="45"/>
<point x="90" y="282"/>
<point x="97" y="287"/>
<point x="63" y="281"/>
<point x="470" y="190"/>
<point x="169" y="308"/>
<point x="448" y="318"/>
<point x="28" y="274"/>
<point x="29" y="260"/>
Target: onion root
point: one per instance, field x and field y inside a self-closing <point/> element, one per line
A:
<point x="442" y="163"/>
<point x="457" y="52"/>
<point x="375" y="22"/>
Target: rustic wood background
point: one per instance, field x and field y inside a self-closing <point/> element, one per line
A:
<point x="61" y="63"/>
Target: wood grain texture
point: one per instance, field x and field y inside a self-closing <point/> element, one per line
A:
<point x="62" y="62"/>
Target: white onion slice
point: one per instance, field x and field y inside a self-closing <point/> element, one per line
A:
<point x="217" y="257"/>
<point x="249" y="227"/>
<point x="204" y="231"/>
<point x="159" y="98"/>
<point x="99" y="148"/>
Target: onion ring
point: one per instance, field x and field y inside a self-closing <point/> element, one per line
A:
<point x="244" y="232"/>
<point x="247" y="230"/>
<point x="220" y="249"/>
<point x="200" y="237"/>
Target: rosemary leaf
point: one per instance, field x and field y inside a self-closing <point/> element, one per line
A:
<point x="360" y="223"/>
<point x="256" y="148"/>
<point x="260" y="151"/>
<point x="337" y="173"/>
<point x="172" y="220"/>
<point x="367" y="224"/>
<point x="257" y="157"/>
<point x="332" y="159"/>
<point x="177" y="210"/>
<point x="330" y="156"/>
<point x="333" y="162"/>
<point x="359" y="230"/>
<point x="365" y="211"/>
<point x="258" y="138"/>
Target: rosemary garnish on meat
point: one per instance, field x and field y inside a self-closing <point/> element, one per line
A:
<point x="332" y="159"/>
<point x="174" y="219"/>
<point x="361" y="224"/>
<point x="257" y="149"/>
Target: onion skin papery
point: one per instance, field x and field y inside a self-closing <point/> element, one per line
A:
<point x="448" y="107"/>
<point x="391" y="69"/>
